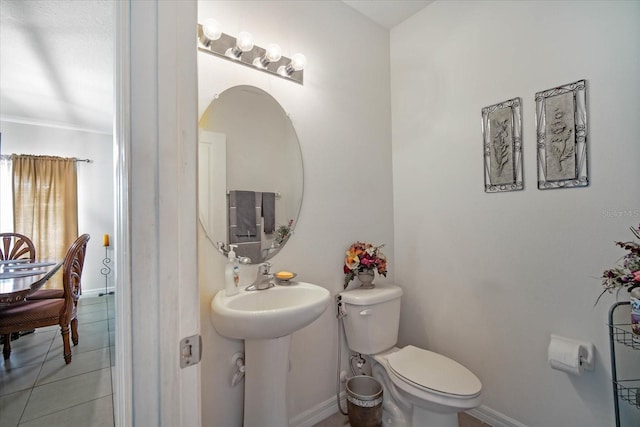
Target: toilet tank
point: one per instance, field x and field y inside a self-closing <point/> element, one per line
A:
<point x="372" y="318"/>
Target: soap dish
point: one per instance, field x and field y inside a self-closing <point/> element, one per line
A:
<point x="284" y="281"/>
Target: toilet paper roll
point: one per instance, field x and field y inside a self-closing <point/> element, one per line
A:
<point x="564" y="355"/>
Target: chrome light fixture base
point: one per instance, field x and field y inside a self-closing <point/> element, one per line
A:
<point x="255" y="58"/>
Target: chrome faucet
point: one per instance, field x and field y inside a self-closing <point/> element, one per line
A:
<point x="263" y="280"/>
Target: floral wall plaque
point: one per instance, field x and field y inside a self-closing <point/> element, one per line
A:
<point x="502" y="139"/>
<point x="561" y="123"/>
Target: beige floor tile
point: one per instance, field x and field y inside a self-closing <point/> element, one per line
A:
<point x="63" y="394"/>
<point x="466" y="420"/>
<point x="29" y="349"/>
<point x="86" y="342"/>
<point x="11" y="407"/>
<point x="52" y="328"/>
<point x="93" y="327"/>
<point x="16" y="379"/>
<point x="37" y="388"/>
<point x="56" y="369"/>
<point x="91" y="308"/>
<point x="336" y="420"/>
<point x="92" y="316"/>
<point x="339" y="420"/>
<point x="91" y="300"/>
<point x="96" y="413"/>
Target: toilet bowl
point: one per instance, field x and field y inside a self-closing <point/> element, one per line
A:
<point x="421" y="388"/>
<point x="429" y="388"/>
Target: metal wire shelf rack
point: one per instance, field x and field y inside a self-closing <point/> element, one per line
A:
<point x="627" y="390"/>
<point x="622" y="334"/>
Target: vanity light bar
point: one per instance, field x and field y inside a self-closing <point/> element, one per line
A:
<point x="227" y="47"/>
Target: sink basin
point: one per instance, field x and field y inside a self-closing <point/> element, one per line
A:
<point x="271" y="313"/>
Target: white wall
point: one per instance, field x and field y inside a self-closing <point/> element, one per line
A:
<point x="342" y="118"/>
<point x="95" y="183"/>
<point x="488" y="277"/>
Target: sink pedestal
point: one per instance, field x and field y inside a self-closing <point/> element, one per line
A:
<point x="265" y="387"/>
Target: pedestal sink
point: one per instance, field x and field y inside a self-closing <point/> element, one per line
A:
<point x="265" y="320"/>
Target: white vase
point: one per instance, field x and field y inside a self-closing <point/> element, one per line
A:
<point x="366" y="278"/>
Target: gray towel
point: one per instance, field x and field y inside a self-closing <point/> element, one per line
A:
<point x="245" y="213"/>
<point x="269" y="212"/>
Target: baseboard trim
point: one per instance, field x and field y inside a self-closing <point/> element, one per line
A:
<point x="96" y="292"/>
<point x="318" y="413"/>
<point x="493" y="417"/>
<point x="329" y="407"/>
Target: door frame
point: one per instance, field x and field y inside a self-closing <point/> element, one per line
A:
<point x="155" y="132"/>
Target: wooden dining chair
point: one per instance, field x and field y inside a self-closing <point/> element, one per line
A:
<point x="51" y="311"/>
<point x="16" y="246"/>
<point x="52" y="293"/>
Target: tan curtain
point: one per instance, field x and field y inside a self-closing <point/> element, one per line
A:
<point x="45" y="200"/>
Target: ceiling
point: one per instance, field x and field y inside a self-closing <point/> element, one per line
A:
<point x="56" y="58"/>
<point x="56" y="63"/>
<point x="388" y="13"/>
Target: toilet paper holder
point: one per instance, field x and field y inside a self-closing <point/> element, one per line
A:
<point x="586" y="351"/>
<point x="588" y="361"/>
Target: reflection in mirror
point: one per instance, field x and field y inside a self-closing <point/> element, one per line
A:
<point x="250" y="173"/>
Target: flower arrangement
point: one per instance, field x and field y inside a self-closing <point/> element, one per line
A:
<point x="363" y="256"/>
<point x="283" y="232"/>
<point x="626" y="274"/>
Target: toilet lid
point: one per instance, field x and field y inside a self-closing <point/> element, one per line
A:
<point x="434" y="371"/>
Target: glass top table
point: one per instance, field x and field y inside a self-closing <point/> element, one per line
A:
<point x="21" y="278"/>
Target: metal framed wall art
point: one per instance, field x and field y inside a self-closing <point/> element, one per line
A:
<point x="561" y="123"/>
<point x="502" y="138"/>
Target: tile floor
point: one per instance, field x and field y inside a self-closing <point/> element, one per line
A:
<point x="38" y="389"/>
<point x="339" y="420"/>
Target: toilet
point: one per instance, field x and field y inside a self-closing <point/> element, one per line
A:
<point x="420" y="387"/>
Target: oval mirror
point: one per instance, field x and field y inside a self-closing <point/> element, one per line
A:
<point x="250" y="173"/>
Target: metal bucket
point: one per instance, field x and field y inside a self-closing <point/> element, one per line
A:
<point x="364" y="401"/>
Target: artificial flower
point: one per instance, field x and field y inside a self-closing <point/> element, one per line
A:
<point x="626" y="274"/>
<point x="363" y="256"/>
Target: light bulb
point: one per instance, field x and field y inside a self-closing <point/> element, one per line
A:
<point x="244" y="42"/>
<point x="211" y="29"/>
<point x="298" y="62"/>
<point x="273" y="53"/>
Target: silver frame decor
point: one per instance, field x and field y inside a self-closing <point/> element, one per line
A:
<point x="502" y="137"/>
<point x="561" y="123"/>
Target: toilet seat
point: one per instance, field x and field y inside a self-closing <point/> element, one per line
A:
<point x="433" y="372"/>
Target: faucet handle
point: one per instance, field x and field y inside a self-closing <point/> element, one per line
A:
<point x="220" y="246"/>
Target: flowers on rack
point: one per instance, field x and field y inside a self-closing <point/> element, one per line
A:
<point x="626" y="273"/>
<point x="283" y="232"/>
<point x="363" y="256"/>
